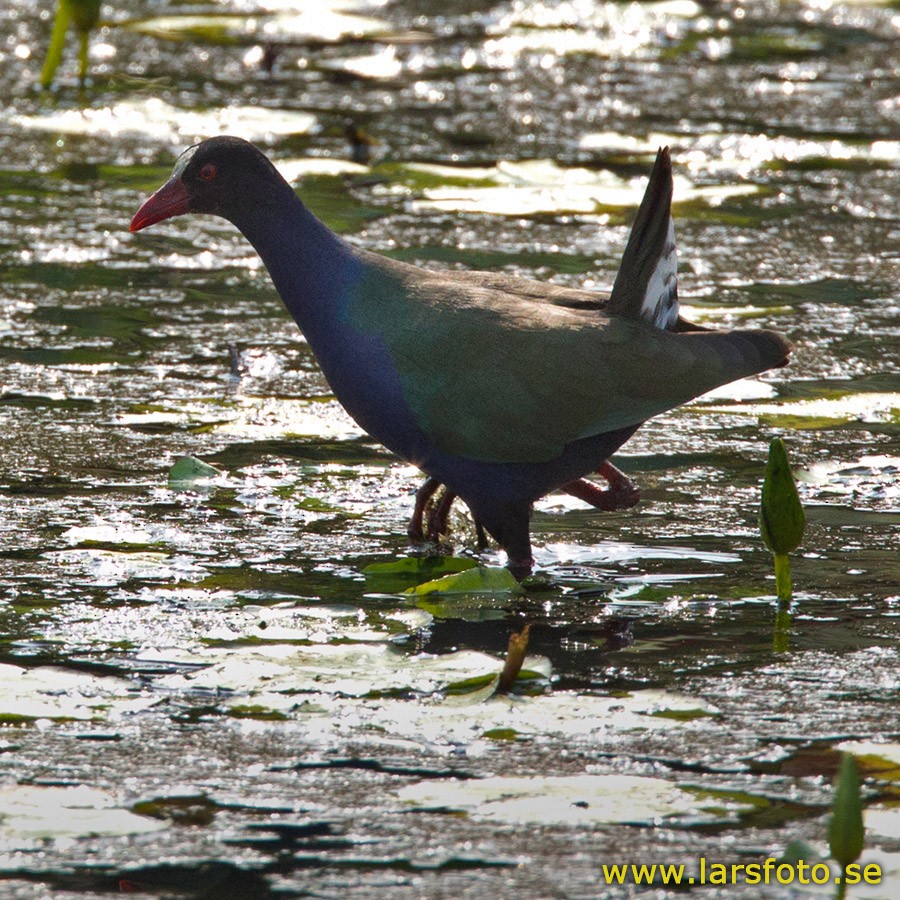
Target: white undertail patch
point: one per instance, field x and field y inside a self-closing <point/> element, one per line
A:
<point x="660" y="303"/>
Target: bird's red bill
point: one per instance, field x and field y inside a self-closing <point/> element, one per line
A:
<point x="170" y="200"/>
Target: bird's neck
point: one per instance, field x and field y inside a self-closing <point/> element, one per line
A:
<point x="312" y="268"/>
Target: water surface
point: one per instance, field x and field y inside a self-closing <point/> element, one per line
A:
<point x="203" y="692"/>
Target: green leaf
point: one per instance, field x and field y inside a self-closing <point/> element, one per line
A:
<point x="189" y="469"/>
<point x="781" y="517"/>
<point x="846" y="831"/>
<point x="412" y="566"/>
<point x="501" y="734"/>
<point x="396" y="576"/>
<point x="478" y="578"/>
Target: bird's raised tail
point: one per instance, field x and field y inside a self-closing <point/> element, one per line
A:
<point x="646" y="286"/>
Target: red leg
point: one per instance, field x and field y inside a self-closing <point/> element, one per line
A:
<point x="622" y="492"/>
<point x="509" y="527"/>
<point x="415" y="528"/>
<point x="438" y="524"/>
<point x="440" y="513"/>
<point x="437" y="519"/>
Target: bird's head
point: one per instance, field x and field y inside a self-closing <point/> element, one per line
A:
<point x="224" y="176"/>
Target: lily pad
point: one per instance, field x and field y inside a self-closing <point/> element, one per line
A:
<point x="348" y="670"/>
<point x="318" y="25"/>
<point x="543" y="187"/>
<point x="825" y="413"/>
<point x="45" y="692"/>
<point x="35" y="813"/>
<point x="400" y="574"/>
<point x="881" y="761"/>
<point x="577" y="800"/>
<point x="189" y="469"/>
<point x="479" y="579"/>
<point x="154" y="119"/>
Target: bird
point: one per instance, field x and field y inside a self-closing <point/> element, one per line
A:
<point x="503" y="389"/>
<point x="658" y="305"/>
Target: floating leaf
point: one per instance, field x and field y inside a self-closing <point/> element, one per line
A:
<point x="781" y="517"/>
<point x="400" y="574"/>
<point x="256" y="711"/>
<point x="683" y="715"/>
<point x="537" y="187"/>
<point x="572" y="800"/>
<point x="414" y="566"/>
<point x="478" y="578"/>
<point x="156" y="120"/>
<point x="315" y="26"/>
<point x="876" y="760"/>
<point x="501" y="734"/>
<point x="37" y="812"/>
<point x="846" y="833"/>
<point x="189" y="469"/>
<point x="187" y="811"/>
<point x="876" y="407"/>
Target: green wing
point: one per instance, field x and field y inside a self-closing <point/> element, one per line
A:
<point x="510" y="379"/>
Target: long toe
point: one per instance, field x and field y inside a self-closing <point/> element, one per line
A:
<point x="619" y="496"/>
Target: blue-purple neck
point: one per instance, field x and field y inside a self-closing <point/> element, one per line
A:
<point x="312" y="268"/>
<point x="318" y="276"/>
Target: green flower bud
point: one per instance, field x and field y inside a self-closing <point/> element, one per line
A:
<point x="781" y="517"/>
<point x="846" y="832"/>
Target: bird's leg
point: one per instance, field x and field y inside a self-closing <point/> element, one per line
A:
<point x="414" y="530"/>
<point x="622" y="492"/>
<point x="437" y="519"/>
<point x="509" y="527"/>
<point x="438" y="524"/>
<point x="481" y="538"/>
<point x="440" y="513"/>
<point x="520" y="564"/>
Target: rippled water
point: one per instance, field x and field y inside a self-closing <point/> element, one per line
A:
<point x="203" y="691"/>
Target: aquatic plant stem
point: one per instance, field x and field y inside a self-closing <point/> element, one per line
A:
<point x="841" y="890"/>
<point x="783" y="577"/>
<point x="57" y="43"/>
<point x="84" y="38"/>
<point x="515" y="656"/>
<point x="782" y="631"/>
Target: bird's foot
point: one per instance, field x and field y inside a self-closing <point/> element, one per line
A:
<point x="520" y="566"/>
<point x="432" y="524"/>
<point x="622" y="492"/>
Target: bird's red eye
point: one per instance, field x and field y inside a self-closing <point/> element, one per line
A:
<point x="208" y="172"/>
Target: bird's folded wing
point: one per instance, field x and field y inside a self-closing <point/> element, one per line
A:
<point x="504" y="379"/>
